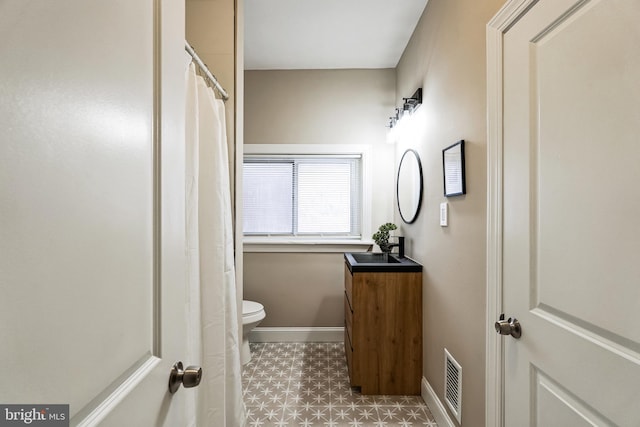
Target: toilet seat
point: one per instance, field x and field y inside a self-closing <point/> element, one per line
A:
<point x="252" y="312"/>
<point x="251" y="307"/>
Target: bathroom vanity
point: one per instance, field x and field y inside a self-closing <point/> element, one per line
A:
<point x="383" y="323"/>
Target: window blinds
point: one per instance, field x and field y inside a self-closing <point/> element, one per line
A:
<point x="302" y="195"/>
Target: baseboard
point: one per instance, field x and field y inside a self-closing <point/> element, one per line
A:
<point x="435" y="405"/>
<point x="297" y="334"/>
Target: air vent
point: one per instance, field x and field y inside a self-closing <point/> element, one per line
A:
<point x="453" y="385"/>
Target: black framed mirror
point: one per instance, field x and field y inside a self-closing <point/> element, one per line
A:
<point x="409" y="186"/>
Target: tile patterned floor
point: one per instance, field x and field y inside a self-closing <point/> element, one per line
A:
<point x="307" y="384"/>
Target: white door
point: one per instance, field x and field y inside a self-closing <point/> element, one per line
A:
<point x="571" y="212"/>
<point x="92" y="208"/>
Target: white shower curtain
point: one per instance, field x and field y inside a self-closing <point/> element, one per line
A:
<point x="213" y="316"/>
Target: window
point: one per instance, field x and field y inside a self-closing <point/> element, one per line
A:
<point x="303" y="196"/>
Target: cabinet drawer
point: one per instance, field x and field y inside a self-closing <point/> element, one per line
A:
<point x="348" y="351"/>
<point x="348" y="284"/>
<point x="348" y="317"/>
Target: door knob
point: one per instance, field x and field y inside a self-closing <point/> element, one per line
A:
<point x="189" y="377"/>
<point x="508" y="327"/>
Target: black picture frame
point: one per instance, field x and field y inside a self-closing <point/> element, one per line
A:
<point x="453" y="170"/>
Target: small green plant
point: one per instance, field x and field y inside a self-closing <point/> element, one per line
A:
<point x="381" y="237"/>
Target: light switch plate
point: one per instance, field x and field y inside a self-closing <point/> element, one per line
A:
<point x="444" y="214"/>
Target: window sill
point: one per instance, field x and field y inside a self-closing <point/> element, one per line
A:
<point x="310" y="246"/>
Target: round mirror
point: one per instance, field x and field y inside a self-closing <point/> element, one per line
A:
<point x="409" y="186"/>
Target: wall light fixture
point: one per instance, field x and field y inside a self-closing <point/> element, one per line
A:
<point x="409" y="105"/>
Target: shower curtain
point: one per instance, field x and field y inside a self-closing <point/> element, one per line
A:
<point x="212" y="306"/>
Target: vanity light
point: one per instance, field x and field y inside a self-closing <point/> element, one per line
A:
<point x="394" y="119"/>
<point x="392" y="122"/>
<point x="392" y="135"/>
<point x="409" y="105"/>
<point x="393" y="128"/>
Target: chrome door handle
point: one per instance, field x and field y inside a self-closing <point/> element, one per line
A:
<point x="189" y="377"/>
<point x="508" y="327"/>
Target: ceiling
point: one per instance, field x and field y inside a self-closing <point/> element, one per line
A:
<point x="327" y="34"/>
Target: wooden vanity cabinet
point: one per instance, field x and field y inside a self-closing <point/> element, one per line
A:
<point x="383" y="331"/>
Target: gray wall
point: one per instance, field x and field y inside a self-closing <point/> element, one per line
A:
<point x="210" y="29"/>
<point x="316" y="107"/>
<point x="297" y="289"/>
<point x="446" y="57"/>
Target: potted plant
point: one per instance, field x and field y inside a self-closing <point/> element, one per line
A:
<point x="381" y="237"/>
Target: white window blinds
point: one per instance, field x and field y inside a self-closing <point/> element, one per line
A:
<point x="302" y="196"/>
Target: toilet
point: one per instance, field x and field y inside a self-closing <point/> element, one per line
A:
<point x="252" y="314"/>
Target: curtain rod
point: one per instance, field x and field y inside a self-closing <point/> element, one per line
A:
<point x="206" y="71"/>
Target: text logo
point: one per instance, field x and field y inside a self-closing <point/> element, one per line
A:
<point x="34" y="415"/>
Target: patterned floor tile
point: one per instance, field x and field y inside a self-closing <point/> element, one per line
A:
<point x="307" y="384"/>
